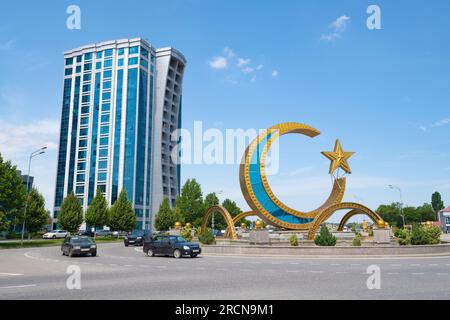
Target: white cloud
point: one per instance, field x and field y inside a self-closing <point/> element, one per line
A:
<point x="243" y="62"/>
<point x="18" y="140"/>
<point x="337" y="27"/>
<point x="253" y="79"/>
<point x="259" y="67"/>
<point x="21" y="139"/>
<point x="218" y="63"/>
<point x="275" y="73"/>
<point x="441" y="123"/>
<point x="248" y="70"/>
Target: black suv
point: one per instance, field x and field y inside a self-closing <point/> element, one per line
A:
<point x="136" y="238"/>
<point x="78" y="245"/>
<point x="171" y="245"/>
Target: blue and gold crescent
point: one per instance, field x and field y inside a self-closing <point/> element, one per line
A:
<point x="256" y="189"/>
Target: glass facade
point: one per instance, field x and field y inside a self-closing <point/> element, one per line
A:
<point x="107" y="125"/>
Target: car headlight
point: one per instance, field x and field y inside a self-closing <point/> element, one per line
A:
<point x="186" y="248"/>
<point x="77" y="248"/>
<point x="93" y="246"/>
<point x="138" y="238"/>
<point x="126" y="238"/>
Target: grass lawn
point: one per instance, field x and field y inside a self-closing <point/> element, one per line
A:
<point x="47" y="243"/>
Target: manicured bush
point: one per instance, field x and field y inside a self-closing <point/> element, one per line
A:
<point x="294" y="240"/>
<point x="186" y="233"/>
<point x="207" y="237"/>
<point x="423" y="235"/>
<point x="325" y="238"/>
<point x="356" y="240"/>
<point x="404" y="237"/>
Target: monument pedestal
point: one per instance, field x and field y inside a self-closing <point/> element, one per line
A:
<point x="382" y="235"/>
<point x="259" y="236"/>
<point x="174" y="232"/>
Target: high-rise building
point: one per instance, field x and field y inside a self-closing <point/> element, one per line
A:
<point x="121" y="102"/>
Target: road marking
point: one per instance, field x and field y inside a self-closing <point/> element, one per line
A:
<point x="162" y="267"/>
<point x="432" y="265"/>
<point x="10" y="274"/>
<point x="236" y="262"/>
<point x="255" y="262"/>
<point x="392" y="273"/>
<point x="315" y="271"/>
<point x="414" y="265"/>
<point x="294" y="263"/>
<point x="335" y="264"/>
<point x="356" y="264"/>
<point x="221" y="269"/>
<point x="292" y="271"/>
<point x="442" y="274"/>
<point x="244" y="270"/>
<point x="276" y="263"/>
<point x="23" y="286"/>
<point x="396" y="265"/>
<point x="201" y="268"/>
<point x="315" y="264"/>
<point x="341" y="272"/>
<point x="128" y="265"/>
<point x="417" y="273"/>
<point x="113" y="265"/>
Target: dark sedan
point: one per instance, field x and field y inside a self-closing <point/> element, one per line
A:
<point x="175" y="246"/>
<point x="78" y="245"/>
<point x="136" y="238"/>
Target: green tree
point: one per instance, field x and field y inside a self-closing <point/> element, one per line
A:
<point x="437" y="203"/>
<point x="426" y="212"/>
<point x="4" y="223"/>
<point x="36" y="216"/>
<point x="325" y="238"/>
<point x="391" y="214"/>
<point x="97" y="214"/>
<point x="12" y="192"/>
<point x="190" y="202"/>
<point x="122" y="216"/>
<point x="166" y="217"/>
<point x="211" y="199"/>
<point x="71" y="215"/>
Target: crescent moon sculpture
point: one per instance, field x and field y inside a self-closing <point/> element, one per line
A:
<point x="263" y="202"/>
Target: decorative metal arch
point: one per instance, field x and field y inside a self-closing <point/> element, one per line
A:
<point x="354" y="213"/>
<point x="239" y="217"/>
<point x="228" y="219"/>
<point x="328" y="212"/>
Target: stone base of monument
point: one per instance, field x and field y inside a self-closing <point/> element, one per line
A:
<point x="174" y="232"/>
<point x="382" y="235"/>
<point x="259" y="236"/>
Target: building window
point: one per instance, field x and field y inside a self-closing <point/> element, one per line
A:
<point x="68" y="72"/>
<point x="104" y="129"/>
<point x="103" y="153"/>
<point x="133" y="61"/>
<point x="108" y="63"/>
<point x="101" y="176"/>
<point x="82" y="143"/>
<point x="144" y="52"/>
<point x="78" y="70"/>
<point x="106" y="96"/>
<point x="80" y="189"/>
<point x="86" y="99"/>
<point x="85" y="109"/>
<point x="79" y="59"/>
<point x="103" y="164"/>
<point x="107" y="74"/>
<point x="120" y="62"/>
<point x="84" y="132"/>
<point x="81" y="177"/>
<point x="107" y="85"/>
<point x="104" y="141"/>
<point x="88" y="56"/>
<point x="87" y="77"/>
<point x="99" y="54"/>
<point x="105" y="118"/>
<point x="81" y="166"/>
<point x="108" y="53"/>
<point x="98" y="65"/>
<point x="120" y="51"/>
<point x="134" y="50"/>
<point x="106" y="107"/>
<point x="86" y="88"/>
<point x="87" y="66"/>
<point x="81" y="154"/>
<point x="447" y="220"/>
<point x="69" y="61"/>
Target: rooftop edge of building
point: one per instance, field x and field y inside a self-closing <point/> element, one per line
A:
<point x="125" y="42"/>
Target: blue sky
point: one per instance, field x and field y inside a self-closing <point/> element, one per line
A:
<point x="384" y="93"/>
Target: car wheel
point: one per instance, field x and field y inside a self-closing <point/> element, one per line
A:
<point x="193" y="255"/>
<point x="94" y="254"/>
<point x="126" y="244"/>
<point x="54" y="237"/>
<point x="177" y="253"/>
<point x="70" y="253"/>
<point x="63" y="253"/>
<point x="150" y="253"/>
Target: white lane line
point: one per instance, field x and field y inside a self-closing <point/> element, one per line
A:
<point x="341" y="272"/>
<point x="356" y="264"/>
<point x="128" y="265"/>
<point x="392" y="273"/>
<point x="161" y="267"/>
<point x="396" y="265"/>
<point x="221" y="269"/>
<point x="294" y="263"/>
<point x="113" y="265"/>
<point x="236" y="262"/>
<point x="11" y="274"/>
<point x="315" y="271"/>
<point x="414" y="265"/>
<point x="442" y="274"/>
<point x="335" y="264"/>
<point x="23" y="286"/>
<point x="244" y="270"/>
<point x="417" y="273"/>
<point x="276" y="263"/>
<point x="432" y="265"/>
<point x="315" y="264"/>
<point x="292" y="271"/>
<point x="255" y="262"/>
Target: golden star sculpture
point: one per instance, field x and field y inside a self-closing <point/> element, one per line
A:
<point x="338" y="158"/>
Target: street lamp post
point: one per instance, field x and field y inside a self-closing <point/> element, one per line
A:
<point x="32" y="155"/>
<point x="401" y="202"/>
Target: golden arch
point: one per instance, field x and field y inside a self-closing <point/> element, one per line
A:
<point x="239" y="217"/>
<point x="228" y="219"/>
<point x="328" y="212"/>
<point x="355" y="212"/>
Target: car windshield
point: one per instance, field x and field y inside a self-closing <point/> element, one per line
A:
<point x="80" y="240"/>
<point x="137" y="234"/>
<point x="178" y="239"/>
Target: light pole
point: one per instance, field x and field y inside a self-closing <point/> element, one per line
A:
<point x="32" y="155"/>
<point x="212" y="220"/>
<point x="401" y="201"/>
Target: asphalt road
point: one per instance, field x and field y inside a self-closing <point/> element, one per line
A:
<point x="127" y="273"/>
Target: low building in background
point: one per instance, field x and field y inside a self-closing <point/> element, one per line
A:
<point x="444" y="219"/>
